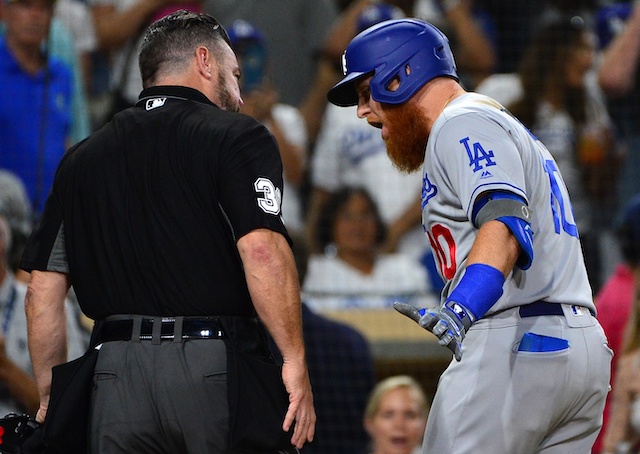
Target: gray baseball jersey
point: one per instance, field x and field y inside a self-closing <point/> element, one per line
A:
<point x="506" y="397"/>
<point x="477" y="146"/>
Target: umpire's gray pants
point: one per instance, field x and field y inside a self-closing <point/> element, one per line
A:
<point x="166" y="398"/>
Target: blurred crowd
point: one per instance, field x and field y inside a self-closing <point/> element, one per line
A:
<point x="568" y="69"/>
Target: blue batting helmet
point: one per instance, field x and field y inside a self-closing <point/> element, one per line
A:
<point x="409" y="50"/>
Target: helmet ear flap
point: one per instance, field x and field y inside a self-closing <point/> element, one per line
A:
<point x="388" y="85"/>
<point x="397" y="80"/>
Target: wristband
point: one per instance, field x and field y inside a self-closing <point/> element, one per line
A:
<point x="479" y="289"/>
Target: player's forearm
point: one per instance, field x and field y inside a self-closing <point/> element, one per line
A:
<point x="46" y="325"/>
<point x="273" y="284"/>
<point x="496" y="246"/>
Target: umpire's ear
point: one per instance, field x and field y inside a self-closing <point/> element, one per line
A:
<point x="205" y="64"/>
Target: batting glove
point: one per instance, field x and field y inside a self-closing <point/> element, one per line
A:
<point x="449" y="323"/>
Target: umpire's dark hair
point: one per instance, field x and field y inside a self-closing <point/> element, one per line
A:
<point x="169" y="43"/>
<point x="629" y="232"/>
<point x="330" y="210"/>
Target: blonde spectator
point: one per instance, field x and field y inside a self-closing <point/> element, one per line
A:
<point x="396" y="415"/>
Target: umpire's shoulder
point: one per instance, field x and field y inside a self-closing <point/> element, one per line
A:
<point x="240" y="125"/>
<point x="234" y="122"/>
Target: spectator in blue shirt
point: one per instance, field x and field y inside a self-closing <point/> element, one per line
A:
<point x="36" y="91"/>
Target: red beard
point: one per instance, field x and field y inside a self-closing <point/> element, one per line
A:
<point x="408" y="134"/>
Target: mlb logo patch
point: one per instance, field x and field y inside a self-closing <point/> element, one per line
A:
<point x="577" y="311"/>
<point x="155" y="103"/>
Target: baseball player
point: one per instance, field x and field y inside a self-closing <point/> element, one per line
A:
<point x="533" y="370"/>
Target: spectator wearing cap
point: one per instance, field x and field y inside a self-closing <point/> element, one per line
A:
<point x="261" y="101"/>
<point x="614" y="302"/>
<point x="36" y="92"/>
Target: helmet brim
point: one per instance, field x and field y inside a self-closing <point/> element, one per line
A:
<point x="344" y="93"/>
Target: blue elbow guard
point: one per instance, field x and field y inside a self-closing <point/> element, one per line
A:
<point x="479" y="289"/>
<point x="521" y="229"/>
<point x="511" y="210"/>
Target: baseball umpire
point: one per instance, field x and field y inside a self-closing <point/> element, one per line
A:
<point x="167" y="223"/>
<point x="533" y="370"/>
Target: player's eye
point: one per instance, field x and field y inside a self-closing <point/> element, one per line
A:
<point x="364" y="96"/>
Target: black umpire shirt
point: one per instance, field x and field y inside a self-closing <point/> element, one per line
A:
<point x="145" y="213"/>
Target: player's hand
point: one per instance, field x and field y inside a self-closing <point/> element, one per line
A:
<point x="449" y="323"/>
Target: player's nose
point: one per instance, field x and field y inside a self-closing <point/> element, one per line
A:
<point x="363" y="110"/>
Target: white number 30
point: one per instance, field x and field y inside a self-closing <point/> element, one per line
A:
<point x="271" y="196"/>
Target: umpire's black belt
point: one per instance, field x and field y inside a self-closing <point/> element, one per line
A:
<point x="158" y="329"/>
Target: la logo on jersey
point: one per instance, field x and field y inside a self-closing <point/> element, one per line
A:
<point x="478" y="155"/>
<point x="429" y="190"/>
